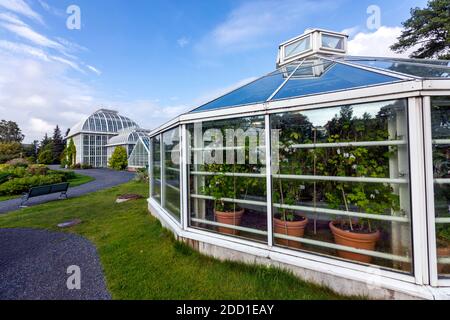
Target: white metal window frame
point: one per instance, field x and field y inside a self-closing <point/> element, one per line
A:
<point x="421" y="231"/>
<point x="270" y="208"/>
<point x="435" y="280"/>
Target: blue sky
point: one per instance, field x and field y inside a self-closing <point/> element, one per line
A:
<point x="152" y="60"/>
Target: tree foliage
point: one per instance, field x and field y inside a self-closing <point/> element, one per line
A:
<point x="71" y="153"/>
<point x="119" y="159"/>
<point x="10" y="132"/>
<point x="9" y="151"/>
<point x="430" y="29"/>
<point x="58" y="145"/>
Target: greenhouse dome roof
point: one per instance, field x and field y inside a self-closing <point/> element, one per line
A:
<point x="127" y="136"/>
<point x="319" y="74"/>
<point x="103" y="121"/>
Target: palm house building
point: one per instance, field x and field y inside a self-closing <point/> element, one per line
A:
<point x="333" y="166"/>
<point x="102" y="131"/>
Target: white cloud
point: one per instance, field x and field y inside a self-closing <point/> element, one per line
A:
<point x="40" y="126"/>
<point x="351" y="31"/>
<point x="94" y="69"/>
<point x="253" y="23"/>
<point x="33" y="36"/>
<point x="38" y="94"/>
<point x="22" y="8"/>
<point x="23" y="49"/>
<point x="376" y="44"/>
<point x="52" y="10"/>
<point x="11" y="18"/>
<point x="183" y="42"/>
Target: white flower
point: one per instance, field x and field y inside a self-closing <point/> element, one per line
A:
<point x="302" y="187"/>
<point x="354" y="166"/>
<point x="372" y="196"/>
<point x="346" y="155"/>
<point x="352" y="156"/>
<point x="338" y="151"/>
<point x="377" y="192"/>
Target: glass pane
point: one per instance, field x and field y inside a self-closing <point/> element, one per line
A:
<point x="340" y="183"/>
<point x="227" y="186"/>
<point x="332" y="42"/>
<point x="333" y="77"/>
<point x="297" y="47"/>
<point x="256" y="92"/>
<point x="171" y="173"/>
<point x="156" y="169"/>
<point x="440" y="126"/>
<point x="426" y="70"/>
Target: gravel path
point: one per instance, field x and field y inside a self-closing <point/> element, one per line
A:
<point x="104" y="178"/>
<point x="34" y="264"/>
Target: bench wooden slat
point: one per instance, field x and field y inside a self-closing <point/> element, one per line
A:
<point x="44" y="190"/>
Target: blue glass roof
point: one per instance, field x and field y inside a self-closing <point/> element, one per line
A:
<point x="336" y="77"/>
<point x="319" y="74"/>
<point x="418" y="68"/>
<point x="310" y="76"/>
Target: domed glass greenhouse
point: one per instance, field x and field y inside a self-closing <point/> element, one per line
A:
<point x="91" y="135"/>
<point x="334" y="166"/>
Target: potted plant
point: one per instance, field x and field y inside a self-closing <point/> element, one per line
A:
<point x="353" y="232"/>
<point x="443" y="245"/>
<point x="219" y="187"/>
<point x="286" y="222"/>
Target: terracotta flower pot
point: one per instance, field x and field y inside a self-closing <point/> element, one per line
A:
<point x="289" y="228"/>
<point x="232" y="217"/>
<point x="443" y="253"/>
<point x="365" y="241"/>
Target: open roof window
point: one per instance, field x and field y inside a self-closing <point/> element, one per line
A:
<point x="311" y="42"/>
<point x="297" y="47"/>
<point x="333" y="42"/>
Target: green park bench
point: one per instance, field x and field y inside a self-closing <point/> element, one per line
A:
<point x="44" y="190"/>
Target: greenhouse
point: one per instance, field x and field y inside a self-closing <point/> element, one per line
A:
<point x="92" y="134"/>
<point x="126" y="138"/>
<point x="334" y="166"/>
<point x="139" y="156"/>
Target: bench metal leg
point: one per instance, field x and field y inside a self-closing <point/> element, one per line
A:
<point x="63" y="195"/>
<point x="23" y="201"/>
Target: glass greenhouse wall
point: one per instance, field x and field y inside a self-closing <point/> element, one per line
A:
<point x="139" y="156"/>
<point x="329" y="163"/>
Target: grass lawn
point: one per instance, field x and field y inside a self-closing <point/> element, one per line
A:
<point x="79" y="180"/>
<point x="141" y="260"/>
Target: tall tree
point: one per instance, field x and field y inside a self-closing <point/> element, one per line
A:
<point x="58" y="144"/>
<point x="430" y="29"/>
<point x="10" y="132"/>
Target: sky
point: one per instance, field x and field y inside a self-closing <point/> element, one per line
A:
<point x="153" y="60"/>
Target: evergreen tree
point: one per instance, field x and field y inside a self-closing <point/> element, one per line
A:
<point x="71" y="153"/>
<point x="429" y="28"/>
<point x="58" y="145"/>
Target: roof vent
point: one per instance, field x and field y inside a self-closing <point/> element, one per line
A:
<point x="312" y="41"/>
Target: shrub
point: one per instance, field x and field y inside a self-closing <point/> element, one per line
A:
<point x="4" y="177"/>
<point x="119" y="159"/>
<point x="86" y="166"/>
<point x="141" y="175"/>
<point x="76" y="166"/>
<point x="45" y="156"/>
<point x="37" y="169"/>
<point x="66" y="175"/>
<point x="18" y="185"/>
<point x="18" y="162"/>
